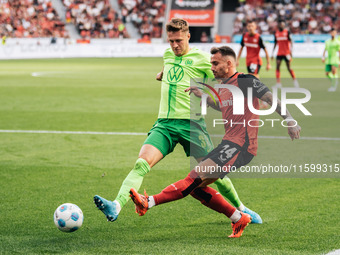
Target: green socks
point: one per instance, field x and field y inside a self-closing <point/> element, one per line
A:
<point x="226" y="188"/>
<point x="330" y="76"/>
<point x="334" y="79"/>
<point x="133" y="180"/>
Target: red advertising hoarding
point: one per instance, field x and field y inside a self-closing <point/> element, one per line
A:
<point x="196" y="12"/>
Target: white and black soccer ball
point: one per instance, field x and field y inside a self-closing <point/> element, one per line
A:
<point x="68" y="217"/>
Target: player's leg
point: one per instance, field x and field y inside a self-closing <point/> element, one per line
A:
<point x="328" y="71"/>
<point x="329" y="74"/>
<point x="155" y="147"/>
<point x="334" y="79"/>
<point x="278" y="73"/>
<point x="292" y="73"/>
<point x="215" y="201"/>
<point x="225" y="186"/>
<point x="148" y="156"/>
<point x="195" y="184"/>
<point x="198" y="144"/>
<point x="205" y="173"/>
<point x="227" y="189"/>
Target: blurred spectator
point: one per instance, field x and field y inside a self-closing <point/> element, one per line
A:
<point x="204" y="37"/>
<point x="147" y="16"/>
<point x="302" y="16"/>
<point x="95" y="19"/>
<point x="29" y="18"/>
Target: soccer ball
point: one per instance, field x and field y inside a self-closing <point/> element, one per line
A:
<point x="68" y="217"/>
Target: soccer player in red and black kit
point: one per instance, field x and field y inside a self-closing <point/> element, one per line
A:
<point x="284" y="43"/>
<point x="253" y="42"/>
<point x="238" y="146"/>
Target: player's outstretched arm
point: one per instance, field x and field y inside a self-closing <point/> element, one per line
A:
<point x="197" y="92"/>
<point x="159" y="76"/>
<point x="293" y="128"/>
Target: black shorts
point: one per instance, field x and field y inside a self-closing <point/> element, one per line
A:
<point x="229" y="156"/>
<point x="286" y="58"/>
<point x="254" y="68"/>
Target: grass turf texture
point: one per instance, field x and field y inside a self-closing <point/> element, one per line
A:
<point x="38" y="172"/>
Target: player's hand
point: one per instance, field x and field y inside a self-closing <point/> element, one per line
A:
<point x="159" y="76"/>
<point x="268" y="66"/>
<point x="293" y="131"/>
<point x="197" y="92"/>
<point x="323" y="60"/>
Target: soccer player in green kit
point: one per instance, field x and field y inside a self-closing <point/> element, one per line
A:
<point x="332" y="61"/>
<point x="174" y="124"/>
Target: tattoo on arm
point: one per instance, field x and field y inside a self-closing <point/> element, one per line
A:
<point x="268" y="98"/>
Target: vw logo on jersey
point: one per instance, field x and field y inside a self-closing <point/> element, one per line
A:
<point x="189" y="62"/>
<point x="175" y="74"/>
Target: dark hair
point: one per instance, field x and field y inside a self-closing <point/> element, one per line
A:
<point x="250" y="21"/>
<point x="224" y="50"/>
<point x="176" y="25"/>
<point x="332" y="29"/>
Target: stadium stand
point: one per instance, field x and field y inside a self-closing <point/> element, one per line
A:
<point x="30" y="19"/>
<point x="147" y="16"/>
<point x="302" y="16"/>
<point x="95" y="19"/>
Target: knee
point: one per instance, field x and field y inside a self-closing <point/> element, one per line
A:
<point x="146" y="157"/>
<point x="141" y="167"/>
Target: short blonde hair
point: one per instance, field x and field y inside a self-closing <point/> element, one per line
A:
<point x="176" y="25"/>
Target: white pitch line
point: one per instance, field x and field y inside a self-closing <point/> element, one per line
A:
<point x="143" y="134"/>
<point x="335" y="252"/>
<point x="69" y="132"/>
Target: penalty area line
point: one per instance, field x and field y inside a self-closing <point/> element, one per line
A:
<point x="144" y="134"/>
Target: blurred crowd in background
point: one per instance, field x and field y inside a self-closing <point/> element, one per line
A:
<point x="98" y="19"/>
<point x="302" y="17"/>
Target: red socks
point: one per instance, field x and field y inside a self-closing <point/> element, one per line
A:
<point x="214" y="200"/>
<point x="179" y="189"/>
<point x="278" y="76"/>
<point x="208" y="196"/>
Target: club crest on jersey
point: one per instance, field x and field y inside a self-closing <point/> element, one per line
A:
<point x="189" y="62"/>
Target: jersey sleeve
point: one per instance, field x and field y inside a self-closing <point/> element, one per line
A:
<point x="246" y="81"/>
<point x="205" y="65"/>
<point x="242" y="41"/>
<point x="261" y="43"/>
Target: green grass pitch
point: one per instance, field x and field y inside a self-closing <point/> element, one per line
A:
<point x="38" y="172"/>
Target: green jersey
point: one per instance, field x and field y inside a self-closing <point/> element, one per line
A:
<point x="332" y="48"/>
<point x="175" y="103"/>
